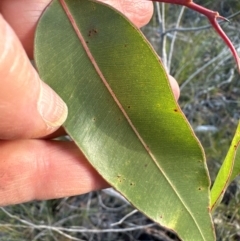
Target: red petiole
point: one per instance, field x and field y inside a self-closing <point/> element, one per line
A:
<point x="212" y="17"/>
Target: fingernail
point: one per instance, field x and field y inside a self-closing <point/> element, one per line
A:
<point x="51" y="107"/>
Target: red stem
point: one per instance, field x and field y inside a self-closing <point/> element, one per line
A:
<point x="212" y="17"/>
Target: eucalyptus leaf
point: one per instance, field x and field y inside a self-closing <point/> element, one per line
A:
<point x="229" y="170"/>
<point x="123" y="115"/>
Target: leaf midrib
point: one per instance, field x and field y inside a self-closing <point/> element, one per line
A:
<point x="92" y="59"/>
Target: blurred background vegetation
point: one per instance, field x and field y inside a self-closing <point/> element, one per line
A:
<point x="210" y="89"/>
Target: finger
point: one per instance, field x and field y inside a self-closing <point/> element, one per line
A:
<point x="28" y="107"/>
<point x="23" y="15"/>
<point x="138" y="11"/>
<point x="175" y="87"/>
<point x="59" y="133"/>
<point x="38" y="169"/>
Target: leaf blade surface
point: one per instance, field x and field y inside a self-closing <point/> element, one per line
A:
<point x="229" y="170"/>
<point x="122" y="113"/>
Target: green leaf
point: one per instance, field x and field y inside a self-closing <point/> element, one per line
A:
<point x="122" y="113"/>
<point x="229" y="170"/>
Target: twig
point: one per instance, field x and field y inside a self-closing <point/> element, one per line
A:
<point x="199" y="70"/>
<point x="174" y="39"/>
<point x="161" y="21"/>
<point x="113" y="193"/>
<point x="74" y="229"/>
<point x="124" y="218"/>
<point x="196" y="28"/>
<point x="34" y="226"/>
<point x="116" y="209"/>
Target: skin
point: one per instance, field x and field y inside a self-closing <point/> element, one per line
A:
<point x="33" y="167"/>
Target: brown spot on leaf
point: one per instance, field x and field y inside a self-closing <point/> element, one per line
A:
<point x="93" y="7"/>
<point x="132" y="184"/>
<point x="92" y="32"/>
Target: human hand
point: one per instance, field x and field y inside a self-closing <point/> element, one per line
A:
<point x="32" y="167"/>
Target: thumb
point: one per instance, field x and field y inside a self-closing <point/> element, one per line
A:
<point x="29" y="108"/>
